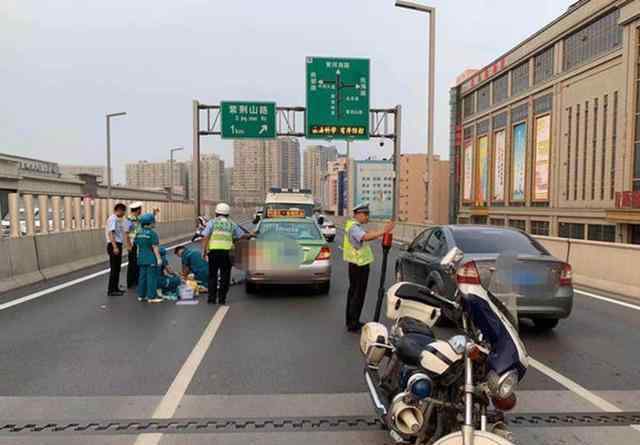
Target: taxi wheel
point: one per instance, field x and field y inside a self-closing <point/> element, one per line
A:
<point x="251" y="288"/>
<point x="324" y="288"/>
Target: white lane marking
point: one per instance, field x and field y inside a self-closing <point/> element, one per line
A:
<point x="575" y="388"/>
<point x="636" y="427"/>
<point x="171" y="400"/>
<point x="58" y="287"/>
<point x="607" y="299"/>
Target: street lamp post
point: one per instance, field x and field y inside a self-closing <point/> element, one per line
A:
<point x="431" y="87"/>
<point x="171" y="151"/>
<point x="109" y="116"/>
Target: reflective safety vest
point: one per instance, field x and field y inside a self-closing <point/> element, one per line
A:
<point x="222" y="235"/>
<point x="361" y="256"/>
<point x="135" y="227"/>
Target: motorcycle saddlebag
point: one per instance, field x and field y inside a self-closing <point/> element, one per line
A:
<point x="401" y="303"/>
<point x="373" y="339"/>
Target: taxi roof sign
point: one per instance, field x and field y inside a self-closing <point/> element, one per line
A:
<point x="285" y="213"/>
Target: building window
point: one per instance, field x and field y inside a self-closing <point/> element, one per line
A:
<point x="605" y="110"/>
<point x="575" y="160"/>
<point x="571" y="230"/>
<point x="543" y="104"/>
<point x="569" y="128"/>
<point x="594" y="39"/>
<point x="540" y="228"/>
<point x="614" y="142"/>
<point x="483" y="98"/>
<point x="602" y="232"/>
<point x="543" y="66"/>
<point x="584" y="150"/>
<point x="519" y="224"/>
<point x="499" y="222"/>
<point x="469" y="105"/>
<point x="594" y="140"/>
<point x="501" y="89"/>
<point x="519" y="113"/>
<point x="520" y="78"/>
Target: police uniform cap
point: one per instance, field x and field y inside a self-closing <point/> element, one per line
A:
<point x="361" y="208"/>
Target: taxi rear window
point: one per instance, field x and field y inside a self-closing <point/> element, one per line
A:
<point x="298" y="231"/>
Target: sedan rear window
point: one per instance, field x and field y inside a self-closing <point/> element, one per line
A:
<point x="298" y="231"/>
<point x="496" y="241"/>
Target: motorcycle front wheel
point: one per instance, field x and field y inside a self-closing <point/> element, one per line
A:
<point x="480" y="438"/>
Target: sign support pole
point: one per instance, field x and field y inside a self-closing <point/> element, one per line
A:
<point x="397" y="127"/>
<point x="195" y="164"/>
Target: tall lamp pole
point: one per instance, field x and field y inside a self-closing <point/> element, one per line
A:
<point x="431" y="100"/>
<point x="171" y="151"/>
<point x="109" y="116"/>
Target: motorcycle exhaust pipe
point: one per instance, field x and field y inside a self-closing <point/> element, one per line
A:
<point x="406" y="419"/>
<point x="380" y="407"/>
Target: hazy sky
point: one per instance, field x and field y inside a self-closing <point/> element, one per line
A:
<point x="66" y="63"/>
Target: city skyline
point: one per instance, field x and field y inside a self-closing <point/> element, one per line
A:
<point x="115" y="67"/>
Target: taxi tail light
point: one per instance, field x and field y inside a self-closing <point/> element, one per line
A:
<point x="566" y="275"/>
<point x="468" y="274"/>
<point x="324" y="254"/>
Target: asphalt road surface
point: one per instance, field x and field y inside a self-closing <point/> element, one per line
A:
<point x="71" y="354"/>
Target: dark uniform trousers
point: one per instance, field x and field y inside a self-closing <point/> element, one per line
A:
<point x="219" y="260"/>
<point x="115" y="262"/>
<point x="132" y="269"/>
<point x="358" y="280"/>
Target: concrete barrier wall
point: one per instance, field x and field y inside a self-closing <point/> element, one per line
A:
<point x="610" y="267"/>
<point x="28" y="260"/>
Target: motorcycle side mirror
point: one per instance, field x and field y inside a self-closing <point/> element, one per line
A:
<point x="452" y="258"/>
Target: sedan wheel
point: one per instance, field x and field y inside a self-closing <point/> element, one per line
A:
<point x="545" y="324"/>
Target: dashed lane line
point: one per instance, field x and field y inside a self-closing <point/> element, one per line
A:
<point x="171" y="400"/>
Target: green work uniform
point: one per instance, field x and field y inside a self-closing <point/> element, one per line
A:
<point x="147" y="262"/>
<point x="167" y="283"/>
<point x="197" y="265"/>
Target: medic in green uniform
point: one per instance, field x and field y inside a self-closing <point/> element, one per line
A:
<point x="149" y="260"/>
<point x="168" y="281"/>
<point x="193" y="263"/>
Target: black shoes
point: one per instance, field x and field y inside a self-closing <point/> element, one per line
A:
<point x="117" y="293"/>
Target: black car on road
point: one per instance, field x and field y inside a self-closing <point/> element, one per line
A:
<point x="542" y="282"/>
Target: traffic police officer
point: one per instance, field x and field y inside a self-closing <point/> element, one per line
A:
<point x="358" y="253"/>
<point x="149" y="259"/>
<point x="135" y="209"/>
<point x="217" y="243"/>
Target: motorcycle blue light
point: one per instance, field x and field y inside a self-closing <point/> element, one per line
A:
<point x="420" y="386"/>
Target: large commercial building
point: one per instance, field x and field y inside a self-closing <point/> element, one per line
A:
<point x="373" y="184"/>
<point x="413" y="196"/>
<point x="546" y="137"/>
<point x="259" y="165"/>
<point x="74" y="170"/>
<point x="316" y="158"/>
<point x="227" y="196"/>
<point x="156" y="175"/>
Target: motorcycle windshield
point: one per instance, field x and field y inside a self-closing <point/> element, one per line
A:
<point x="495" y="314"/>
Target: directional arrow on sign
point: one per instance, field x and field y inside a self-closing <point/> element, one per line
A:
<point x="263" y="129"/>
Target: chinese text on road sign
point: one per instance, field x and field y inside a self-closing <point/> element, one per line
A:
<point x="337" y="98"/>
<point x="244" y="120"/>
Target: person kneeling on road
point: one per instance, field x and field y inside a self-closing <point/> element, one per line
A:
<point x="168" y="280"/>
<point x="219" y="236"/>
<point x="149" y="260"/>
<point x="193" y="263"/>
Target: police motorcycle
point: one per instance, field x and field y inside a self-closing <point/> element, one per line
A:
<point x="427" y="390"/>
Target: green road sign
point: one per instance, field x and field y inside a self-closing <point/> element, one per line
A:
<point x="248" y="120"/>
<point x="337" y="98"/>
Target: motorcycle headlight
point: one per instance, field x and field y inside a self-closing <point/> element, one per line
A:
<point x="419" y="386"/>
<point x="502" y="386"/>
